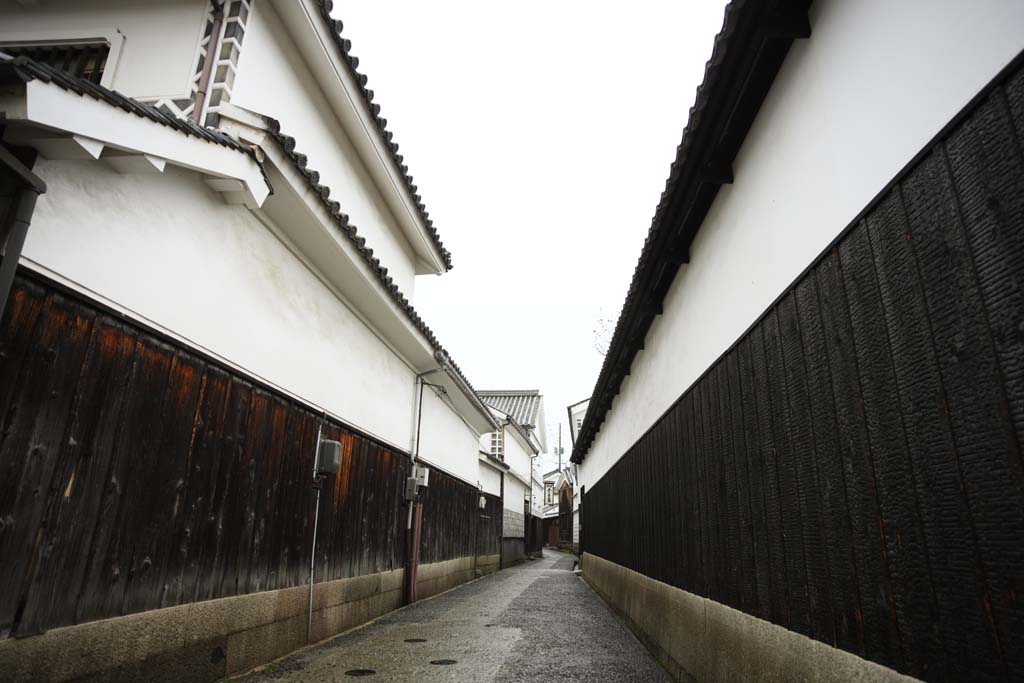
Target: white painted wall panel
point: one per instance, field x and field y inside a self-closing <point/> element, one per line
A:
<point x="167" y="248"/>
<point x="515" y="495"/>
<point x="849" y="108"/>
<point x="489" y="479"/>
<point x="274" y="81"/>
<point x="158" y="58"/>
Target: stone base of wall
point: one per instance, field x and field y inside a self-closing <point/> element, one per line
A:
<point x="208" y="640"/>
<point x="513" y="551"/>
<point x="697" y="639"/>
<point x="488" y="564"/>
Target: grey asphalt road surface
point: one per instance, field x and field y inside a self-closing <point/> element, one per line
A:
<point x="534" y="622"/>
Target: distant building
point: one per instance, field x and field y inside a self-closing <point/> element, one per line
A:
<point x="525" y="406"/>
<point x="577" y="411"/>
<point x="511" y="445"/>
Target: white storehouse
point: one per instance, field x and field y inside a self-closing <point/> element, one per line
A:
<point x="220" y="183"/>
<point x="512" y="447"/>
<point x="291" y="232"/>
<point x="811" y="402"/>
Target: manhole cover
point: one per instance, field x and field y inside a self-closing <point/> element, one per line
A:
<point x="415" y="640"/>
<point x="360" y="672"/>
<point x="443" y="662"/>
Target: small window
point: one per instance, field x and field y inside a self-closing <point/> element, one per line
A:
<point x="81" y="60"/>
<point x="498" y="445"/>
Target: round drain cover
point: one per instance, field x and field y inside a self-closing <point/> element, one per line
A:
<point x="443" y="662"/>
<point x="360" y="672"/>
<point x="415" y="640"/>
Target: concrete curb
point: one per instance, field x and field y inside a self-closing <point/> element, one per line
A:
<point x="697" y="639"/>
<point x="209" y="640"/>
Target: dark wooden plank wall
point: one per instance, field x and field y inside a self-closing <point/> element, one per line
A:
<point x="135" y="475"/>
<point x="851" y="469"/>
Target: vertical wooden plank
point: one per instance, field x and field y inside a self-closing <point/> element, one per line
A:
<point x="877" y="615"/>
<point x="900" y="525"/>
<point x="209" y="462"/>
<point x="85" y="459"/>
<point x="814" y="518"/>
<point x="229" y="537"/>
<point x="793" y="514"/>
<point x="32" y="437"/>
<point x="948" y="537"/>
<point x="740" y="574"/>
<point x="843" y="587"/>
<point x="748" y="546"/>
<point x="154" y="492"/>
<point x="764" y="547"/>
<point x="111" y="562"/>
<point x="768" y="453"/>
<point x="986" y="163"/>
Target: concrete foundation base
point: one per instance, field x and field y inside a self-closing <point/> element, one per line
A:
<point x="208" y="640"/>
<point x="513" y="551"/>
<point x="697" y="639"/>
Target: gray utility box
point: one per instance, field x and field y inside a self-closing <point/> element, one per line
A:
<point x="328" y="458"/>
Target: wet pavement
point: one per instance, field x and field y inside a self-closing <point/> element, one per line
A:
<point x="536" y="621"/>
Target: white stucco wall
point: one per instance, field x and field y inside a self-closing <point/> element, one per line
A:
<point x="168" y="250"/>
<point x="158" y="56"/>
<point x="515" y="495"/>
<point x="489" y="479"/>
<point x="273" y="80"/>
<point x="516" y="456"/>
<point x="445" y="440"/>
<point x="849" y="108"/>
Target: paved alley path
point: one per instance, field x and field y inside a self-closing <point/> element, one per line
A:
<point x="534" y="622"/>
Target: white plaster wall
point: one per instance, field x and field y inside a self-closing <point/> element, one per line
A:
<point x="160" y="38"/>
<point x="517" y="457"/>
<point x="167" y="249"/>
<point x="489" y="479"/>
<point x="515" y="495"/>
<point x="445" y="440"/>
<point x="273" y="80"/>
<point x="576" y="526"/>
<point x="849" y="108"/>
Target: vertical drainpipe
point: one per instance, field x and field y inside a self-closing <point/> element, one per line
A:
<point x="413" y="519"/>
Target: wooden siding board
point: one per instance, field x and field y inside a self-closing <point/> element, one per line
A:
<point x="987" y="412"/>
<point x="835" y="520"/>
<point x="769" y="456"/>
<point x="878" y="619"/>
<point x="875" y="412"/>
<point x="85" y="459"/>
<point x="748" y="542"/>
<point x="33" y="436"/>
<point x="946" y="522"/>
<point x="209" y="465"/>
<point x="789" y="481"/>
<point x="900" y="524"/>
<point x="763" y="545"/>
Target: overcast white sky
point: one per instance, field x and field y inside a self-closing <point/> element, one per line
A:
<point x="540" y="135"/>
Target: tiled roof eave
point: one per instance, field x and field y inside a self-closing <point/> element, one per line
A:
<point x="341" y="220"/>
<point x="344" y="47"/>
<point x="747" y="54"/>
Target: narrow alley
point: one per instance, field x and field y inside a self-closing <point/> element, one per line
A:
<point x="522" y="624"/>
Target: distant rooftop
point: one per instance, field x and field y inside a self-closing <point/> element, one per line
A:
<point x="522" y="405"/>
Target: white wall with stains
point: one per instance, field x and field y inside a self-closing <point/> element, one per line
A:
<point x="849" y="108"/>
<point x="165" y="249"/>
